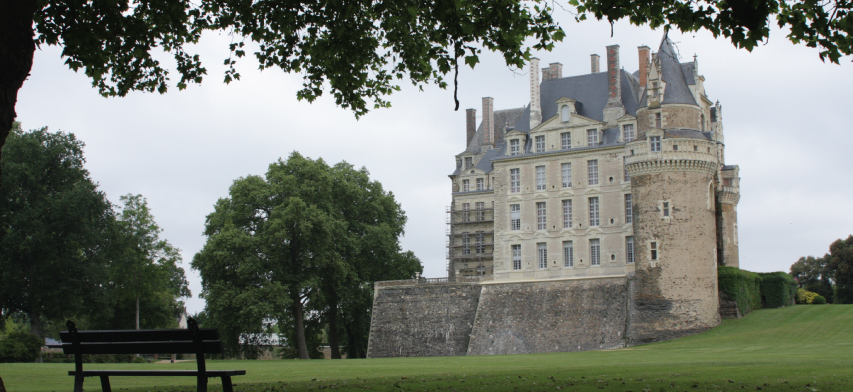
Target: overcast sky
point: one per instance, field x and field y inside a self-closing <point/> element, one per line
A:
<point x="783" y="113"/>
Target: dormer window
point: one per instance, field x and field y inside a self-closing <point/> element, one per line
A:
<point x="628" y="133"/>
<point x="469" y="162"/>
<point x="540" y="143"/>
<point x="654" y="143"/>
<point x="592" y="137"/>
<point x="513" y="147"/>
<point x="565" y="113"/>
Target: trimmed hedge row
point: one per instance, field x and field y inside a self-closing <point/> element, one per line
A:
<point x="778" y="289"/>
<point x="741" y="286"/>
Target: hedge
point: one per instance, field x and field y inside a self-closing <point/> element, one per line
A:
<point x="740" y="286"/>
<point x="778" y="289"/>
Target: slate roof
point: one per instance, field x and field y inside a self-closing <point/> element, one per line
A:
<point x="503" y="118"/>
<point x="678" y="76"/>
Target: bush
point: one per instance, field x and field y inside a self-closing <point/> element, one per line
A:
<point x="819" y="300"/>
<point x="19" y="346"/>
<point x="778" y="289"/>
<point x="740" y="286"/>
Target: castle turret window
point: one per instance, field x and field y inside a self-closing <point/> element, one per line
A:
<point x="653" y="251"/>
<point x="592" y="137"/>
<point x="541" y="212"/>
<point x="666" y="208"/>
<point x="654" y="143"/>
<point x="516" y="257"/>
<point x="514" y="181"/>
<point x="568" y="254"/>
<point x="566" y="140"/>
<point x="628" y="132"/>
<point x="515" y="217"/>
<point x="595" y="251"/>
<point x="629" y="249"/>
<point x="540" y="143"/>
<point x="627" y="176"/>
<point x="593" y="211"/>
<point x="540" y="178"/>
<point x="566" y="169"/>
<point x="567" y="214"/>
<point x="629" y="218"/>
<point x="592" y="171"/>
<point x="513" y="147"/>
<point x="542" y="252"/>
<point x="658" y="121"/>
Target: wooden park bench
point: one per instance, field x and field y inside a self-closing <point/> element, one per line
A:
<point x="153" y="341"/>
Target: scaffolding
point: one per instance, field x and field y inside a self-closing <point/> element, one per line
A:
<point x="469" y="241"/>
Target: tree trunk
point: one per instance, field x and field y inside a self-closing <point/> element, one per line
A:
<point x="137" y="312"/>
<point x="35" y="329"/>
<point x="16" y="58"/>
<point x="334" y="344"/>
<point x="299" y="327"/>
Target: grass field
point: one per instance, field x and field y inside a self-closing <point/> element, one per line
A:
<point x="800" y="348"/>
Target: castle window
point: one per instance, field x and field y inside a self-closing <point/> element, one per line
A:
<point x="540" y="178"/>
<point x="540" y="143"/>
<point x="727" y="182"/>
<point x="466" y="243"/>
<point x="469" y="162"/>
<point x="695" y="148"/>
<point x="516" y="257"/>
<point x="675" y="147"/>
<point x="592" y="137"/>
<point x="541" y="222"/>
<point x="593" y="211"/>
<point x="628" y="209"/>
<point x="627" y="176"/>
<point x="466" y="216"/>
<point x="592" y="171"/>
<point x="658" y="121"/>
<point x="629" y="249"/>
<point x="628" y="133"/>
<point x="566" y="140"/>
<point x="515" y="217"/>
<point x="568" y="254"/>
<point x="480" y="184"/>
<point x="654" y="143"/>
<point x="653" y="251"/>
<point x="654" y="89"/>
<point x="481" y="243"/>
<point x="567" y="214"/>
<point x="481" y="271"/>
<point x="566" y="169"/>
<point x="466" y="186"/>
<point x="565" y="113"/>
<point x="513" y="147"/>
<point x="481" y="213"/>
<point x="595" y="251"/>
<point x="514" y="181"/>
<point x="666" y="208"/>
<point x="542" y="252"/>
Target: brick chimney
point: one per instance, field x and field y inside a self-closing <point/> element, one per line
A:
<point x="535" y="105"/>
<point x="594" y="60"/>
<point x="614" y="108"/>
<point x="470" y="125"/>
<point x="644" y="65"/>
<point x="488" y="120"/>
<point x="554" y="71"/>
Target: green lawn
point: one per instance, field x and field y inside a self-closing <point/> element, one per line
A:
<point x="800" y="348"/>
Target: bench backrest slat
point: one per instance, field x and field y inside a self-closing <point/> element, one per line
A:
<point x="172" y="347"/>
<point x="143" y="335"/>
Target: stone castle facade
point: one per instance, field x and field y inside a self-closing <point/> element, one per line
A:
<point x="606" y="203"/>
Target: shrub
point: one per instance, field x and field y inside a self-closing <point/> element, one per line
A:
<point x="740" y="286"/>
<point x="778" y="289"/>
<point x="819" y="300"/>
<point x="19" y="346"/>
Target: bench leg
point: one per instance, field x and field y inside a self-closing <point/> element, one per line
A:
<point x="201" y="386"/>
<point x="226" y="384"/>
<point x="78" y="383"/>
<point x="105" y="384"/>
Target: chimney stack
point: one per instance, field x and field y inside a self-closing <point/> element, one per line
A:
<point x="594" y="60"/>
<point x="535" y="106"/>
<point x="644" y="65"/>
<point x="488" y="121"/>
<point x="614" y="108"/>
<point x="470" y="125"/>
<point x="554" y="71"/>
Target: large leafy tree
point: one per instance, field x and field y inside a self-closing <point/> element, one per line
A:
<point x="53" y="220"/>
<point x="815" y="274"/>
<point x="842" y="263"/>
<point x="299" y="244"/>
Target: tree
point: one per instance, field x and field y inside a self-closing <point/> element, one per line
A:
<point x="842" y="263"/>
<point x="144" y="271"/>
<point x="294" y="245"/>
<point x="52" y="222"/>
<point x="815" y="275"/>
<point x="359" y="48"/>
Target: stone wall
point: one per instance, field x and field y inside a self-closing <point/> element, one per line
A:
<point x="422" y="320"/>
<point x="550" y="316"/>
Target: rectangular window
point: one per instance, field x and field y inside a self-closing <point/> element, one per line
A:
<point x="594" y="252"/>
<point x="592" y="171"/>
<point x="628" y="133"/>
<point x="480" y="184"/>
<point x="593" y="211"/>
<point x="481" y="242"/>
<point x="516" y="257"/>
<point x="481" y="213"/>
<point x="540" y="143"/>
<point x="629" y="216"/>
<point x="466" y="216"/>
<point x="566" y="140"/>
<point x="567" y="214"/>
<point x="466" y="186"/>
<point x="675" y="147"/>
<point x="568" y="254"/>
<point x="514" y="181"/>
<point x="466" y="244"/>
<point x="542" y="252"/>
<point x="541" y="223"/>
<point x="566" y="169"/>
<point x="469" y="162"/>
<point x="515" y="217"/>
<point x="665" y="208"/>
<point x="658" y="122"/>
<point x="654" y="143"/>
<point x="625" y="166"/>
<point x="653" y="248"/>
<point x="629" y="249"/>
<point x="591" y="137"/>
<point x="540" y="178"/>
<point x="513" y="147"/>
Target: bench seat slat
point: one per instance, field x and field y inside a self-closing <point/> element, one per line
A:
<point x="176" y="347"/>
<point x="141" y="335"/>
<point x="192" y="373"/>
